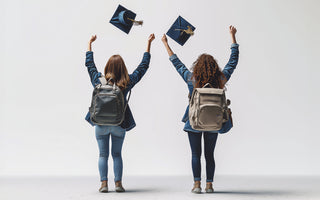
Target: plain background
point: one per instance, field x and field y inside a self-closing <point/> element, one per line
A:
<point x="46" y="91"/>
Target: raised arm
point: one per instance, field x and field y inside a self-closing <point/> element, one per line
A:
<point x="150" y="39"/>
<point x="138" y="73"/>
<point x="166" y="45"/>
<point x="180" y="67"/>
<point x="92" y="39"/>
<point x="92" y="70"/>
<point x="234" y="57"/>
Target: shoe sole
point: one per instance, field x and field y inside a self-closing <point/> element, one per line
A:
<point x="120" y="189"/>
<point x="196" y="191"/>
<point x="104" y="190"/>
<point x="209" y="191"/>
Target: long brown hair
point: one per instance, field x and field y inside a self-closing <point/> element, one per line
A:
<point x="117" y="71"/>
<point x="206" y="70"/>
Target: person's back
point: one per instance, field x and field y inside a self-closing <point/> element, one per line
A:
<point x="116" y="73"/>
<point x="205" y="70"/>
<point x="208" y="108"/>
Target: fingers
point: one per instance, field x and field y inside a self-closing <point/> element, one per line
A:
<point x="93" y="38"/>
<point x="232" y="29"/>
<point x="164" y="38"/>
<point x="151" y="37"/>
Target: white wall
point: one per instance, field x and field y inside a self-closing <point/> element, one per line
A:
<point x="45" y="88"/>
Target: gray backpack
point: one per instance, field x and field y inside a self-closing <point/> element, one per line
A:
<point x="208" y="108"/>
<point x="107" y="104"/>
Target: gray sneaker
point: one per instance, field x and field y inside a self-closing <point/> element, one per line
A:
<point x="104" y="187"/>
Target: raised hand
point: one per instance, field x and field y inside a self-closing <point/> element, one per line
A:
<point x="92" y="39"/>
<point x="164" y="39"/>
<point x="151" y="38"/>
<point x="166" y="45"/>
<point x="233" y="32"/>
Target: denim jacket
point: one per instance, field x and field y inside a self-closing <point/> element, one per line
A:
<point x="186" y="75"/>
<point x="128" y="122"/>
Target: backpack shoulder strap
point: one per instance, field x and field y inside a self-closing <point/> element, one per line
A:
<point x="207" y="85"/>
<point x="125" y="107"/>
<point x="103" y="80"/>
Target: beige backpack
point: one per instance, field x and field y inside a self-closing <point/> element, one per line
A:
<point x="208" y="108"/>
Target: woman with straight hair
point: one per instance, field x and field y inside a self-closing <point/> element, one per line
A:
<point x="205" y="70"/>
<point x="115" y="71"/>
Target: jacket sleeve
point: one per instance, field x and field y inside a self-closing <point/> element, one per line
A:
<point x="138" y="73"/>
<point x="180" y="67"/>
<point x="233" y="61"/>
<point x="92" y="70"/>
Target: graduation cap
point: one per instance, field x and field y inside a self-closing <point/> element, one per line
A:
<point x="181" y="30"/>
<point x="124" y="19"/>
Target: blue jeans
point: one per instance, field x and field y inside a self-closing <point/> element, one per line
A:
<point x="210" y="140"/>
<point x="103" y="136"/>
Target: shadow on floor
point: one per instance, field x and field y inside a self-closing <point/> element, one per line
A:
<point x="145" y="190"/>
<point x="257" y="193"/>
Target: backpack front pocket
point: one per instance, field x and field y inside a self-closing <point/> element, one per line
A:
<point x="210" y="116"/>
<point x="108" y="105"/>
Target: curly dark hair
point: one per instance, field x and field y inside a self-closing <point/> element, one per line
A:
<point x="206" y="70"/>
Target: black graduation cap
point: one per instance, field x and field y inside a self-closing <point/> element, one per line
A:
<point x="124" y="19"/>
<point x="181" y="30"/>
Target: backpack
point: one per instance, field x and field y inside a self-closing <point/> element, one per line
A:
<point x="208" y="108"/>
<point x="107" y="104"/>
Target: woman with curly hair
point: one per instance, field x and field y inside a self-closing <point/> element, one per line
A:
<point x="205" y="70"/>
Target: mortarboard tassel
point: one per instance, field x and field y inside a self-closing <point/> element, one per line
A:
<point x="136" y="22"/>
<point x="188" y="31"/>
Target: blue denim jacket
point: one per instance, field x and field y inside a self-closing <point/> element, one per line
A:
<point x="128" y="122"/>
<point x="186" y="75"/>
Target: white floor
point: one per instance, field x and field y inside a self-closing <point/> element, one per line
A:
<point x="226" y="187"/>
